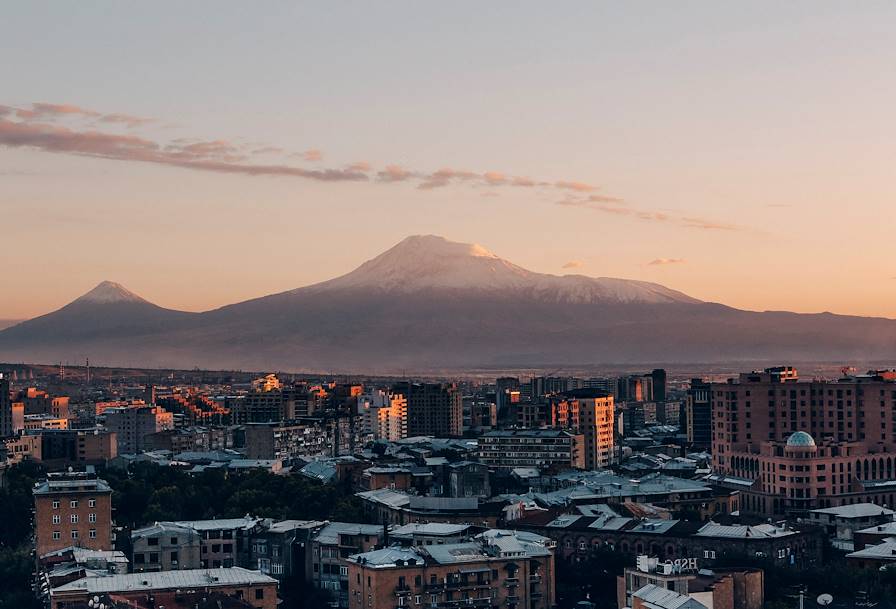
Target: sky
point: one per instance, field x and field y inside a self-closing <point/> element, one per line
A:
<point x="204" y="153"/>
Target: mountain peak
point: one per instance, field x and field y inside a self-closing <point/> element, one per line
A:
<point x="422" y="263"/>
<point x="107" y="292"/>
<point x="440" y="246"/>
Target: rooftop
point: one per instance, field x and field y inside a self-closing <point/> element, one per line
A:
<point x="655" y="597"/>
<point x="883" y="551"/>
<point x="71" y="483"/>
<point x="165" y="580"/>
<point x="712" y="529"/>
<point x="856" y="510"/>
<point x="330" y="533"/>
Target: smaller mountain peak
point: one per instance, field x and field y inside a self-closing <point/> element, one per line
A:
<point x="109" y="292"/>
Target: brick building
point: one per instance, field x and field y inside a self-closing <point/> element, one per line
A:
<point x="72" y="509"/>
<point x="717" y="588"/>
<point x="495" y="569"/>
<point x="170" y="588"/>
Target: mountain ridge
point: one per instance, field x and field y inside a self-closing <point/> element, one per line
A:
<point x="432" y="303"/>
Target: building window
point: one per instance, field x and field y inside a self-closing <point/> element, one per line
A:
<point x="57" y="519"/>
<point x="91" y="502"/>
<point x="92" y="533"/>
<point x="259" y="593"/>
<point x="73" y="503"/>
<point x="343" y="571"/>
<point x="56" y="505"/>
<point x="75" y="534"/>
<point x="91" y="517"/>
<point x="74" y="518"/>
<point x="57" y="535"/>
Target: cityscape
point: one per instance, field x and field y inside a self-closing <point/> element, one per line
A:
<point x="463" y="305"/>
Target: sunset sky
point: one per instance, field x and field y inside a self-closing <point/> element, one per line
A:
<point x="205" y="153"/>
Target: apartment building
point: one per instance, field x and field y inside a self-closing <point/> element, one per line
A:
<point x="511" y="570"/>
<point x="72" y="509"/>
<point x="795" y="446"/>
<point x="550" y="449"/>
<point x="589" y="412"/>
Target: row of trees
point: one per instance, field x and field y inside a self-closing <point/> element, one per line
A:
<point x="149" y="493"/>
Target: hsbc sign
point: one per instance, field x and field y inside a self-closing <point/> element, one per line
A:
<point x="679" y="565"/>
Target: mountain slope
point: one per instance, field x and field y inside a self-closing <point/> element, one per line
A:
<point x="429" y="262"/>
<point x="431" y="303"/>
<point x="107" y="319"/>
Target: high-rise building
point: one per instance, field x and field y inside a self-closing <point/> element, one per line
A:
<point x="133" y="424"/>
<point x="589" y="412"/>
<point x="803" y="445"/>
<point x="507" y="392"/>
<point x="6" y="427"/>
<point x="698" y="415"/>
<point x="658" y="378"/>
<point x="72" y="509"/>
<point x="384" y="416"/>
<point x="434" y="409"/>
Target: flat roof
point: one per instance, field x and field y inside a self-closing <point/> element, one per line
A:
<point x="166" y="580"/>
<point x="712" y="529"/>
<point x="856" y="510"/>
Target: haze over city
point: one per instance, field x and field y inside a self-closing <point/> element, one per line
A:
<point x="202" y="155"/>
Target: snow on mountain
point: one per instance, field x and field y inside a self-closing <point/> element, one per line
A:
<point x="428" y="262"/>
<point x="108" y="292"/>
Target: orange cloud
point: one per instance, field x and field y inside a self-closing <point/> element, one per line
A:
<point x="394" y="173"/>
<point x="313" y="155"/>
<point x="665" y="261"/>
<point x="577" y="186"/>
<point x="42" y="110"/>
<point x="573" y="264"/>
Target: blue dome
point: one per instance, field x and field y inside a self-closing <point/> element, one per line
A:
<point x="800" y="438"/>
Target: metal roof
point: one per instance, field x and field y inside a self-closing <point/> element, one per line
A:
<point x="166" y="580"/>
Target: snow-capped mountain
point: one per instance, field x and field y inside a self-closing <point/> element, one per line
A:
<point x="430" y="262"/>
<point x="108" y="292"/>
<point x="431" y="303"/>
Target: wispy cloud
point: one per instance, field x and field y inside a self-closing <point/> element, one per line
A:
<point x="313" y="155"/>
<point x="45" y="111"/>
<point x="573" y="264"/>
<point x="43" y="126"/>
<point x="666" y="261"/>
<point x="217" y="156"/>
<point x="618" y="207"/>
<point x="394" y="173"/>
